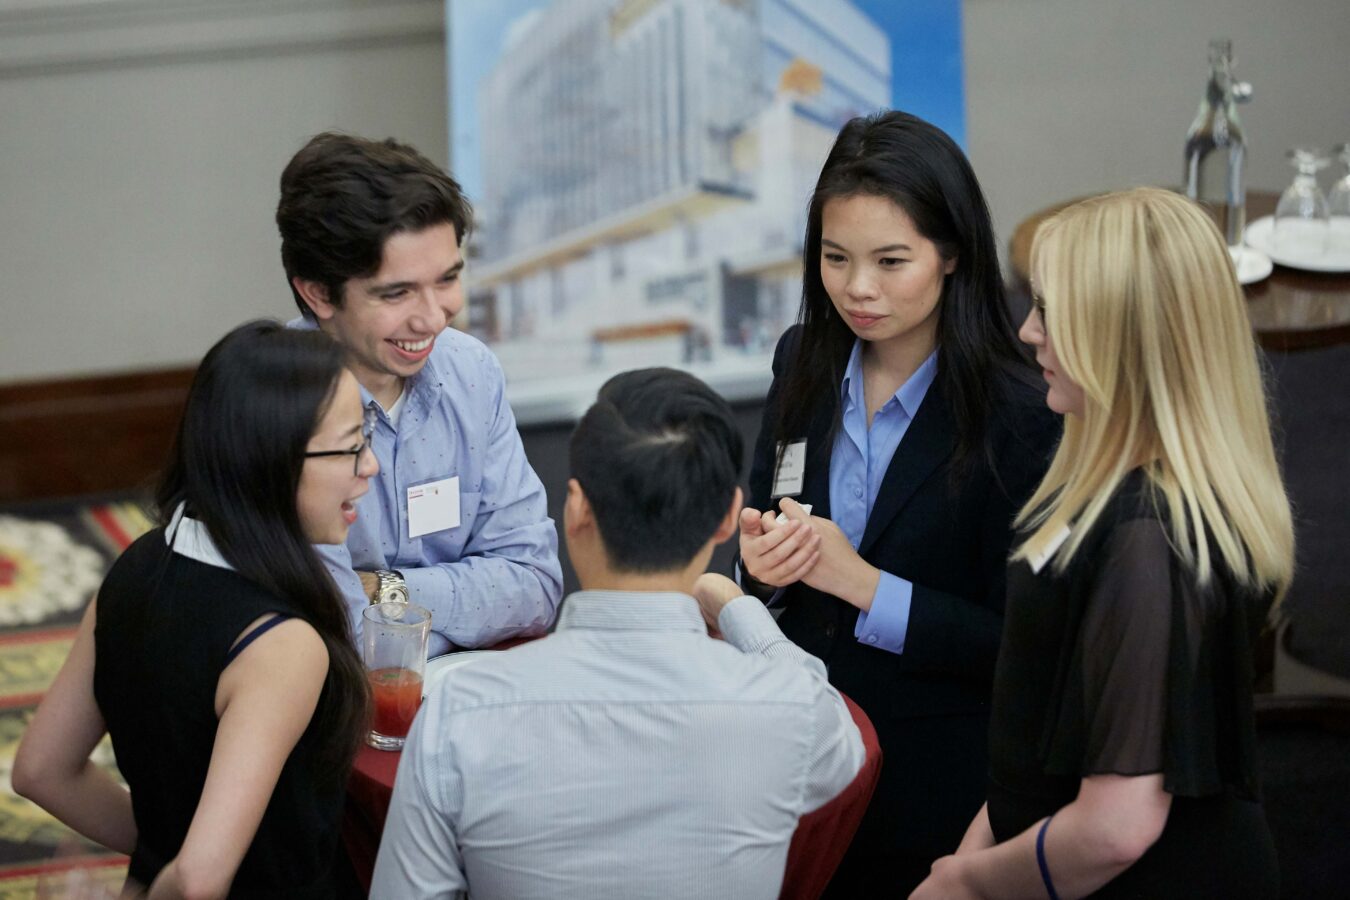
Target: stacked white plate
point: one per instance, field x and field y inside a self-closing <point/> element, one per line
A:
<point x="1252" y="265"/>
<point x="1333" y="256"/>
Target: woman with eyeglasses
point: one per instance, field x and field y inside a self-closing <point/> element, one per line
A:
<point x="906" y="414"/>
<point x="218" y="653"/>
<point x="1122" y="738"/>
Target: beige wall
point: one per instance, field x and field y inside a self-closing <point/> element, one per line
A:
<point x="1072" y="97"/>
<point x="141" y="140"/>
<point x="140" y="145"/>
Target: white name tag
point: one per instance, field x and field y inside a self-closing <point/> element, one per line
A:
<point x="787" y="479"/>
<point x="1040" y="559"/>
<point x="433" y="506"/>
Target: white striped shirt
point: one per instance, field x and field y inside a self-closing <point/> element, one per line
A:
<point x="628" y="755"/>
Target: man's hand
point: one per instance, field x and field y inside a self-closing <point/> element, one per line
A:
<point x="713" y="592"/>
<point x="774" y="554"/>
<point x="369" y="583"/>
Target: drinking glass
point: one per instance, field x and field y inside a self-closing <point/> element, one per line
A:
<point x="394" y="639"/>
<point x="1302" y="217"/>
<point x="1339" y="201"/>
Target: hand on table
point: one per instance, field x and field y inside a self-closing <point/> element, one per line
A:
<point x="777" y="554"/>
<point x="838" y="569"/>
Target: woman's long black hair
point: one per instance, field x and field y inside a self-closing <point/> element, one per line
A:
<point x="920" y="169"/>
<point x="254" y="404"/>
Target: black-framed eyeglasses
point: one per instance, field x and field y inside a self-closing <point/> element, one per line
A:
<point x="367" y="429"/>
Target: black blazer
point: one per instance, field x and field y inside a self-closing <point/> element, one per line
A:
<point x="949" y="537"/>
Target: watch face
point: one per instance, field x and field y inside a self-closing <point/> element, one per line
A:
<point x="395" y="593"/>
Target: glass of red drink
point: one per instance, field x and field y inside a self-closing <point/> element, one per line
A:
<point x="394" y="639"/>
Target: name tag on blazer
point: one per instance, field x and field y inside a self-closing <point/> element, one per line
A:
<point x="790" y="472"/>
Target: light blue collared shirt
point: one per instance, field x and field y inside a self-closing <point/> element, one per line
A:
<point x="494" y="576"/>
<point x="627" y="755"/>
<point x="858" y="462"/>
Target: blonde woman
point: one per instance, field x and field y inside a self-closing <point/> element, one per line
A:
<point x="1121" y="738"/>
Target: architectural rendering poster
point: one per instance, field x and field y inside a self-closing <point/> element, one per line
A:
<point x="640" y="171"/>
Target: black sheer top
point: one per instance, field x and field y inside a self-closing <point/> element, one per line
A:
<point x="1124" y="664"/>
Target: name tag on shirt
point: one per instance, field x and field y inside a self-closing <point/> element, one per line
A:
<point x="791" y="471"/>
<point x="1040" y="559"/>
<point x="433" y="506"/>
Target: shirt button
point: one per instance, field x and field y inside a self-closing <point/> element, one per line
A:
<point x="857" y="491"/>
<point x="871" y="639"/>
<point x="829" y="630"/>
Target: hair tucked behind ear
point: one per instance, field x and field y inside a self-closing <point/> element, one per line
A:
<point x="254" y="404"/>
<point x="922" y="171"/>
<point x="343" y="197"/>
<point x="1145" y="313"/>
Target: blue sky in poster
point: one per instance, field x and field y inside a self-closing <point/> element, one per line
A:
<point x="926" y="68"/>
<point x="927" y="78"/>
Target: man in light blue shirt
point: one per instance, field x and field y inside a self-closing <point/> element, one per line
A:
<point x="628" y="755"/>
<point x="456" y="520"/>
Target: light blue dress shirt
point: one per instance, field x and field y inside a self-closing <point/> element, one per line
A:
<point x="858" y="462"/>
<point x="497" y="574"/>
<point x="625" y="756"/>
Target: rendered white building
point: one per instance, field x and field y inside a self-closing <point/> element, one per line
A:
<point x="646" y="168"/>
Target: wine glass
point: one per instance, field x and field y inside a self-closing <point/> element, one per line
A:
<point x="1340" y="191"/>
<point x="1339" y="203"/>
<point x="1302" y="217"/>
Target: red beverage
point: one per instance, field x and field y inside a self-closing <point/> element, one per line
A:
<point x="396" y="693"/>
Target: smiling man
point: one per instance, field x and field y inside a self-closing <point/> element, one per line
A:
<point x="456" y="520"/>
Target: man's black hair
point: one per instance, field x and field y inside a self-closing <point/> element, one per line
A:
<point x="658" y="456"/>
<point x="343" y="197"/>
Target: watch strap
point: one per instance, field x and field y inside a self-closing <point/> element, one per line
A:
<point x="390" y="585"/>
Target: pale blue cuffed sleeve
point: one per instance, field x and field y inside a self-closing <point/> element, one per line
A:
<point x="886" y="625"/>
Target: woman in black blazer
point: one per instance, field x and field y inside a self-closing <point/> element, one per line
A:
<point x="924" y="431"/>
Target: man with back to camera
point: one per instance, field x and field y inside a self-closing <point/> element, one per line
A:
<point x="456" y="520"/>
<point x="645" y="759"/>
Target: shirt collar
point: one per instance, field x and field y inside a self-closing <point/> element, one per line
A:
<point x="631" y="611"/>
<point x="910" y="394"/>
<point x="424" y="386"/>
<point x="421" y="391"/>
<point x="188" y="537"/>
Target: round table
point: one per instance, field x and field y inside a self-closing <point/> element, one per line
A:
<point x="1290" y="310"/>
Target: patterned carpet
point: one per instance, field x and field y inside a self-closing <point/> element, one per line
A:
<point x="52" y="559"/>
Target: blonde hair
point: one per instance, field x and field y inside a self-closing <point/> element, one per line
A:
<point x="1146" y="315"/>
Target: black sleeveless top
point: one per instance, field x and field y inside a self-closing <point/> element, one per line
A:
<point x="164" y="629"/>
<point x="1124" y="664"/>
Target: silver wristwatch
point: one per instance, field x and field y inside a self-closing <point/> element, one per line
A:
<point x="390" y="587"/>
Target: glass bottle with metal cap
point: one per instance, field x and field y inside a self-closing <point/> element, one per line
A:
<point x="1216" y="146"/>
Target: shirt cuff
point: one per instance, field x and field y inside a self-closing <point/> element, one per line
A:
<point x="431" y="590"/>
<point x="748" y="626"/>
<point x="887" y="623"/>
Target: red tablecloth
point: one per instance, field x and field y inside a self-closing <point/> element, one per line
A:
<point x="822" y="837"/>
<point x="816" y="850"/>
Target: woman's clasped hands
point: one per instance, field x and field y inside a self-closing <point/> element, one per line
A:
<point x="805" y="548"/>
